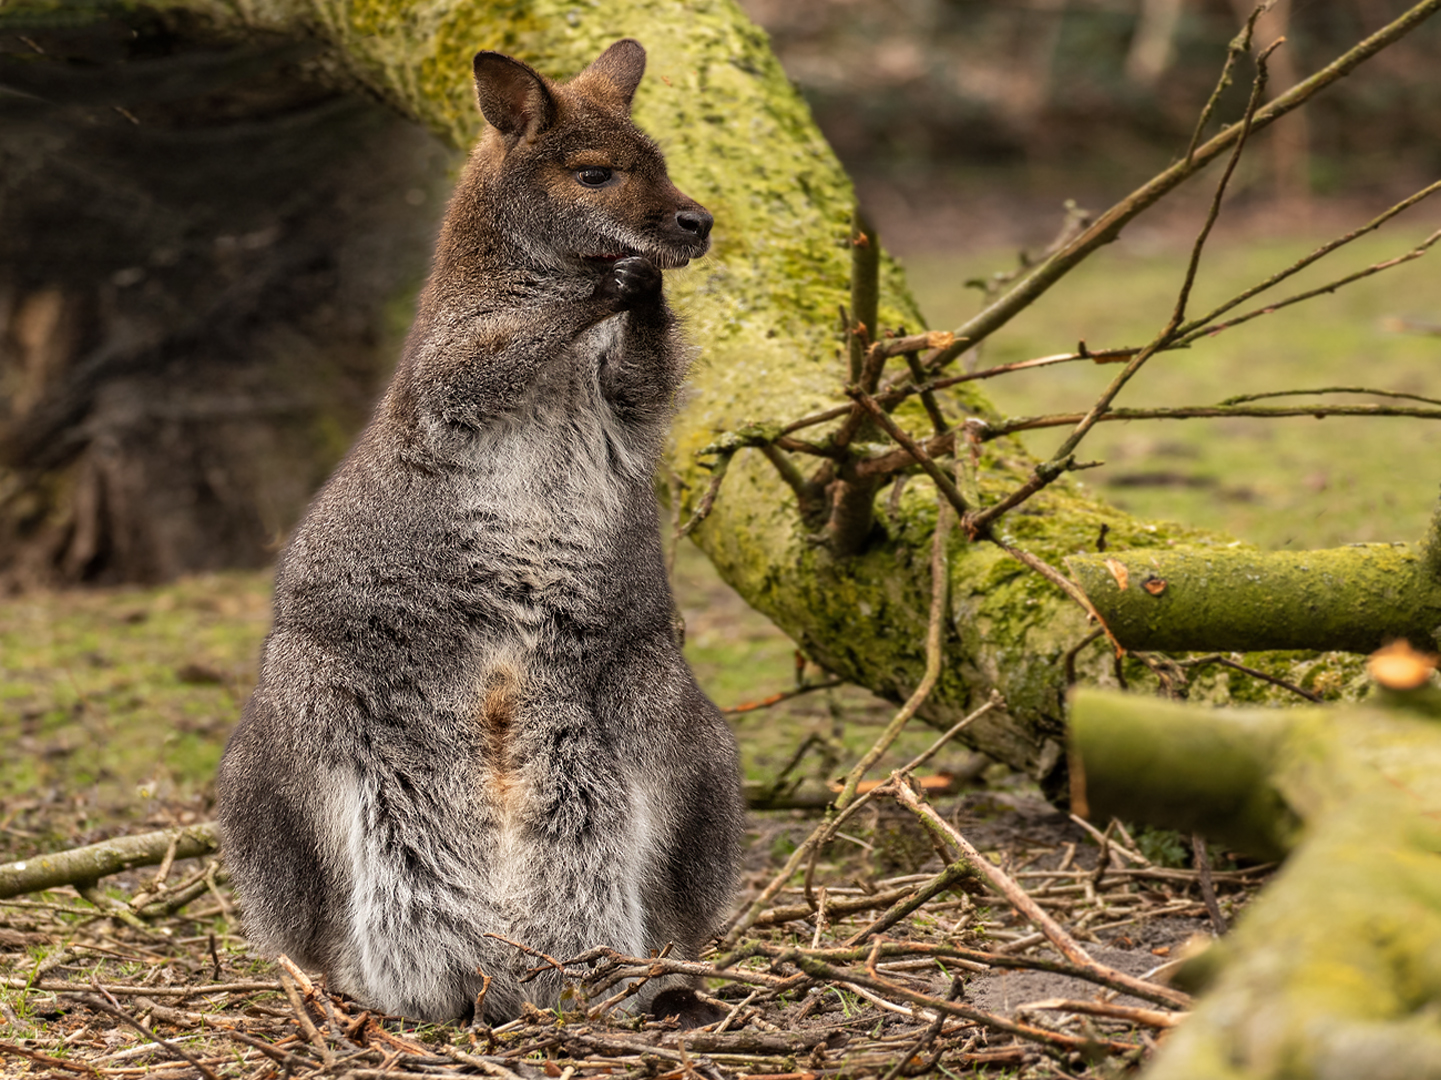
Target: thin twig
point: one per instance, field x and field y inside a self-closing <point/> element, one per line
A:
<point x="1255" y="673"/>
<point x="1197" y="412"/>
<point x="112" y="1008"/>
<point x="943" y="482"/>
<point x="1239" y="46"/>
<point x="1109" y="225"/>
<point x="1058" y="579"/>
<point x="1063" y="942"/>
<point x="1241" y="399"/>
<point x="819" y="969"/>
<point x="1129" y="1013"/>
<point x="776" y="699"/>
<point x="1211" y="329"/>
<point x="935" y="634"/>
<point x="302" y="1017"/>
<point x="1301" y="264"/>
<point x="1208" y="887"/>
<point x="1167" y="335"/>
<point x="707" y="501"/>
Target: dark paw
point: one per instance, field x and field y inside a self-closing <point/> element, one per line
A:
<point x="632" y="281"/>
<point x="689" y="1010"/>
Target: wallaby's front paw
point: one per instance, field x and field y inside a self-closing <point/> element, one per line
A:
<point x="633" y="281"/>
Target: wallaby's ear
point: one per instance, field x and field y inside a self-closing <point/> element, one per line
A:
<point x="513" y="97"/>
<point x="621" y="65"/>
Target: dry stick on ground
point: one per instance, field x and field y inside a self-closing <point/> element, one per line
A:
<point x="94" y="861"/>
<point x="46" y="1059"/>
<point x="51" y="986"/>
<point x="302" y="1017"/>
<point x="952" y="875"/>
<point x="819" y="969"/>
<point x="1063" y="942"/>
<point x="1129" y="1013"/>
<point x="895" y="950"/>
<point x="846" y="802"/>
<point x="826" y="830"/>
<point x="112" y="1008"/>
<point x="902" y="1065"/>
<point x="1208" y="887"/>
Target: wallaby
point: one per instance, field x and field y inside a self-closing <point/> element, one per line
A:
<point x="473" y="717"/>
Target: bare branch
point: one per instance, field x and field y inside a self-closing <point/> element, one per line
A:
<point x="1109" y="225"/>
<point x="1330" y="287"/>
<point x="1321" y="252"/>
<point x="80" y="866"/>
<point x="1192" y="412"/>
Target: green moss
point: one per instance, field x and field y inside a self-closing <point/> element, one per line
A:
<point x="126" y="695"/>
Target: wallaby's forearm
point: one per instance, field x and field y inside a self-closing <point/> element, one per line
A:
<point x="492" y="366"/>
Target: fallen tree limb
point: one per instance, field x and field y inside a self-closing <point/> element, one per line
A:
<point x="1351" y="599"/>
<point x="86" y="865"/>
<point x="1329" y="973"/>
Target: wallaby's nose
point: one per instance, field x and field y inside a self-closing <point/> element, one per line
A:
<point x="695" y="221"/>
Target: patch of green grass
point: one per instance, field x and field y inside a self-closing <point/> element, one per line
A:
<point x="116" y="703"/>
<point x="1291" y="483"/>
<point x="117" y="700"/>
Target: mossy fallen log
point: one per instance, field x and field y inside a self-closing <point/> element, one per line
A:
<point x="1335" y="971"/>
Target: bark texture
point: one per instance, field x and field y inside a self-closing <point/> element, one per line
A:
<point x="1355" y="598"/>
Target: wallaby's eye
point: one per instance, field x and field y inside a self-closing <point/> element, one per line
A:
<point x="594" y="176"/>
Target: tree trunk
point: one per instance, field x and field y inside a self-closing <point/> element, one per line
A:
<point x="89" y="459"/>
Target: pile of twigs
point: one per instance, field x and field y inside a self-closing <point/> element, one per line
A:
<point x="824" y="971"/>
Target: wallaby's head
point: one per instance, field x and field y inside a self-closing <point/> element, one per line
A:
<point x="568" y="178"/>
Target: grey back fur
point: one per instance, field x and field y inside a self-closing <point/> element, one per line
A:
<point x="473" y="717"/>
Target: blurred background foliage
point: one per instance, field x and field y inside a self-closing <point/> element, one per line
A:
<point x="907" y="90"/>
